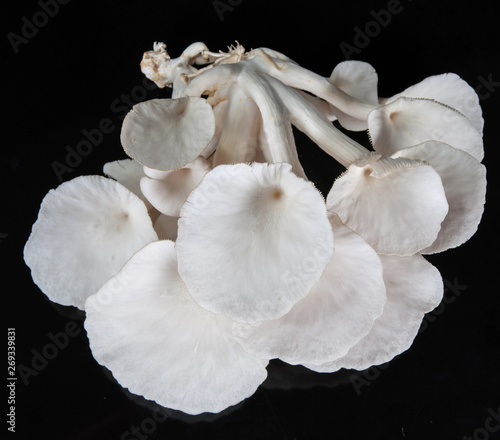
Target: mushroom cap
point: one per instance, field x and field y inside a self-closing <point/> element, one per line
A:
<point x="158" y="343"/>
<point x="129" y="173"/>
<point x="338" y="311"/>
<point x="414" y="287"/>
<point x="451" y="90"/>
<point x="167" y="134"/>
<point x="406" y="122"/>
<point x="464" y="183"/>
<point x="359" y="80"/>
<point x="252" y="240"/>
<point x="396" y="205"/>
<point x="86" y="230"/>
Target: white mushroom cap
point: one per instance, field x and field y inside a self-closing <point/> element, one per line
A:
<point x="129" y="173"/>
<point x="167" y="134"/>
<point x="158" y="343"/>
<point x="396" y="205"/>
<point x="359" y="80"/>
<point x="414" y="287"/>
<point x="338" y="311"/>
<point x="168" y="190"/>
<point x="464" y="182"/>
<point x="253" y="239"/>
<point x="406" y="122"/>
<point x="86" y="230"/>
<point x="451" y="90"/>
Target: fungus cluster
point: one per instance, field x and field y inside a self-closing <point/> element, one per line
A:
<point x="209" y="252"/>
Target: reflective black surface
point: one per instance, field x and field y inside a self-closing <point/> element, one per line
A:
<point x="75" y="75"/>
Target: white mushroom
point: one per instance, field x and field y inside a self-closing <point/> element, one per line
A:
<point x="338" y="311"/>
<point x="396" y="205"/>
<point x="448" y="89"/>
<point x="359" y="80"/>
<point x="406" y="122"/>
<point x="399" y="123"/>
<point x="464" y="183"/>
<point x="252" y="240"/>
<point x="414" y="287"/>
<point x="167" y="134"/>
<point x="158" y="343"/>
<point x="86" y="230"/>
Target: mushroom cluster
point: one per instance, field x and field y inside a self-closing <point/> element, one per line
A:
<point x="209" y="252"/>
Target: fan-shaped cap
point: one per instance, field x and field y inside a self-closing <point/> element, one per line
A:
<point x="338" y="311"/>
<point x="396" y="205"/>
<point x="86" y="230"/>
<point x="406" y="122"/>
<point x="451" y="90"/>
<point x="158" y="343"/>
<point x="252" y="240"/>
<point x="129" y="173"/>
<point x="464" y="182"/>
<point x="167" y="134"/>
<point x="414" y="287"/>
<point x="359" y="80"/>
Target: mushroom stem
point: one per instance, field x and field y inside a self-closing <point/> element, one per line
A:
<point x="314" y="124"/>
<point x="239" y="139"/>
<point x="211" y="79"/>
<point x="275" y="121"/>
<point x="296" y="76"/>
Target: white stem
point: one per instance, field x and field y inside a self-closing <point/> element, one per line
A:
<point x="275" y="121"/>
<point x="192" y="51"/>
<point x="296" y="76"/>
<point x="239" y="140"/>
<point x="315" y="125"/>
<point x="212" y="79"/>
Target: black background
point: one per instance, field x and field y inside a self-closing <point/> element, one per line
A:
<point x="79" y="69"/>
